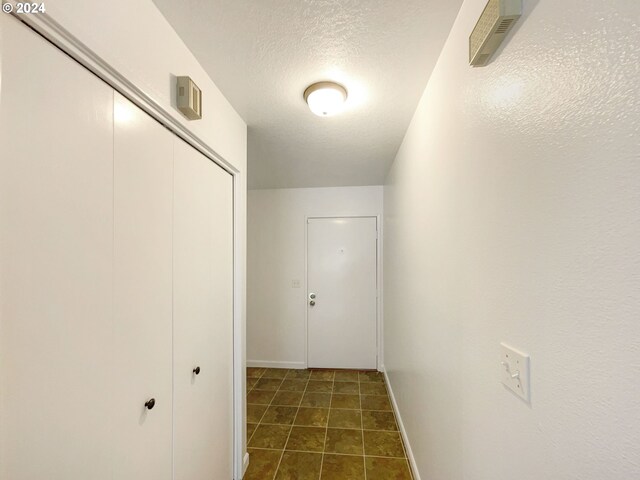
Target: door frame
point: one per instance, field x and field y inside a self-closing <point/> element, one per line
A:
<point x="379" y="285"/>
<point x="45" y="26"/>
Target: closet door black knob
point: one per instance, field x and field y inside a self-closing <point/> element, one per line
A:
<point x="150" y="404"/>
<point x="196" y="370"/>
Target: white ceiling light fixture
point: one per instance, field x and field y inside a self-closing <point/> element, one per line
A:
<point x="325" y="98"/>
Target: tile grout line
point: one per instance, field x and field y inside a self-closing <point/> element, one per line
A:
<point x="326" y="430"/>
<point x="339" y="428"/>
<point x="275" y="474"/>
<point x="271" y="404"/>
<point x="259" y="421"/>
<point x="246" y="397"/>
<point x="256" y="381"/>
<point x="364" y="458"/>
<point x="257" y="424"/>
<point x="268" y="406"/>
<point x="330" y="453"/>
<point x="306" y="390"/>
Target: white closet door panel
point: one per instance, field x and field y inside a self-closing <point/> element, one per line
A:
<point x="203" y="317"/>
<point x="143" y="181"/>
<point x="56" y="251"/>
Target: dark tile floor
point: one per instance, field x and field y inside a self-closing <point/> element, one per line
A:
<point x="322" y="424"/>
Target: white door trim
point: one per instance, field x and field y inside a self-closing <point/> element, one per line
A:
<point x="379" y="316"/>
<point x="55" y="33"/>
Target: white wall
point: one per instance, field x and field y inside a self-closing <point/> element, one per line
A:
<point x="512" y="213"/>
<point x="137" y="41"/>
<point x="276" y="312"/>
<point x="138" y="44"/>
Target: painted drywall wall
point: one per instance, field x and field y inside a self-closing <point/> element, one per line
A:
<point x="512" y="213"/>
<point x="276" y="311"/>
<point x="138" y="43"/>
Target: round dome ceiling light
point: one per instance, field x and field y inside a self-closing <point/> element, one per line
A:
<point x="325" y="98"/>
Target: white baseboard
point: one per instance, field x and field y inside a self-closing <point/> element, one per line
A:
<point x="403" y="432"/>
<point x="267" y="364"/>
<point x="245" y="463"/>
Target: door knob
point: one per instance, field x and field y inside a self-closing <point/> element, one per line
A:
<point x="196" y="370"/>
<point x="150" y="404"/>
<point x="312" y="296"/>
<point x="312" y="303"/>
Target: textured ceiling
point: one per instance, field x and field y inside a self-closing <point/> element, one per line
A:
<point x="262" y="54"/>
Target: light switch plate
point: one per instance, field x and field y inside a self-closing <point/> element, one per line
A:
<point x="514" y="371"/>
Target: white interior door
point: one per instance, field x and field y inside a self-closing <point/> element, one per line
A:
<point x="203" y="317"/>
<point x="341" y="292"/>
<point x="56" y="270"/>
<point x="143" y="206"/>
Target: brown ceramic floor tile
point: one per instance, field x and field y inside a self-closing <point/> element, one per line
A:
<point x="383" y="444"/>
<point x="254" y="372"/>
<point x="251" y="427"/>
<point x="322" y="375"/>
<point x="313" y="399"/>
<point x="346" y="376"/>
<point x="345" y="418"/>
<point x="255" y="412"/>
<point x="313" y="417"/>
<point x="375" y="402"/>
<point x="298" y="374"/>
<point x="294" y="385"/>
<point x="344" y="441"/>
<point x="260" y="397"/>
<point x="268" y="384"/>
<point x="307" y="439"/>
<point x="373" y="388"/>
<point x="270" y="436"/>
<point x="387" y="468"/>
<point x="299" y="466"/>
<point x="262" y="464"/>
<point x="251" y="382"/>
<point x="346" y="387"/>
<point x="378" y="421"/>
<point x="280" y="415"/>
<point x="343" y="458"/>
<point x="284" y="397"/>
<point x="275" y="373"/>
<point x="320" y="386"/>
<point x="313" y="391"/>
<point x="343" y="467"/>
<point x="371" y="377"/>
<point x="345" y="401"/>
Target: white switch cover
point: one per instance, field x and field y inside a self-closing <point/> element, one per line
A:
<point x="295" y="283"/>
<point x="514" y="371"/>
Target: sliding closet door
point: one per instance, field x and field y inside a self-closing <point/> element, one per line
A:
<point x="203" y="317"/>
<point x="143" y="205"/>
<point x="56" y="252"/>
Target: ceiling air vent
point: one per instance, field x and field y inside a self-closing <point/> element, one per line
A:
<point x="497" y="19"/>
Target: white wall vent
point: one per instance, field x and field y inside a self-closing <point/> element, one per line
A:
<point x="189" y="98"/>
<point x="497" y="19"/>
